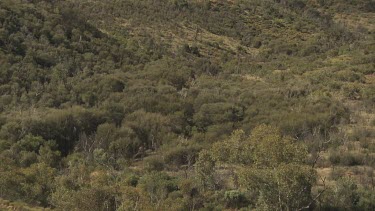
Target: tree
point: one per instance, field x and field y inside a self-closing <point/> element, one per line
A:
<point x="266" y="163"/>
<point x="205" y="167"/>
<point x="151" y="128"/>
<point x="157" y="186"/>
<point x="343" y="195"/>
<point x="39" y="181"/>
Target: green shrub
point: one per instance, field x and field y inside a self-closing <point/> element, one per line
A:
<point x="346" y="158"/>
<point x="351" y="159"/>
<point x="181" y="156"/>
<point x="334" y="158"/>
<point x="352" y="91"/>
<point x="361" y="133"/>
<point x="235" y="199"/>
<point x="155" y="163"/>
<point x="349" y="76"/>
<point x="132" y="180"/>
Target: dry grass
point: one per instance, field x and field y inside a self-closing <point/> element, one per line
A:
<point x="19" y="206"/>
<point x="208" y="43"/>
<point x="365" y="20"/>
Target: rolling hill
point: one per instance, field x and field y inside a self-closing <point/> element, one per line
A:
<point x="187" y="104"/>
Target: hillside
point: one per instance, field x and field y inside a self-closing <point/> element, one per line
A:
<point x="187" y="104"/>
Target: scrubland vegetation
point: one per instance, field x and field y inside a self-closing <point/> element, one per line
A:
<point x="187" y="104"/>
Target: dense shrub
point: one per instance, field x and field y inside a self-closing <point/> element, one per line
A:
<point x="182" y="156"/>
<point x="130" y="105"/>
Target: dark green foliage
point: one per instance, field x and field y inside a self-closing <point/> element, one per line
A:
<point x="182" y="156"/>
<point x="235" y="199"/>
<point x="347" y="159"/>
<point x="157" y="186"/>
<point x="154" y="164"/>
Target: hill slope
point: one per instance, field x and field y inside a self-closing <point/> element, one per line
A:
<point x="109" y="104"/>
